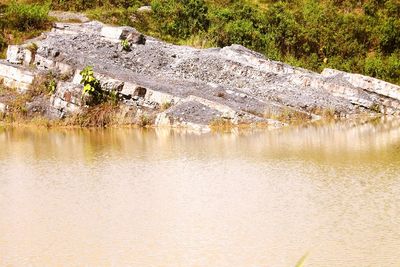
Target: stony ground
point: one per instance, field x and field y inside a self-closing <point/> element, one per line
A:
<point x="189" y="87"/>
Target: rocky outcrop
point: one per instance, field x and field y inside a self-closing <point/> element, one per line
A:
<point x="191" y="87"/>
<point x="16" y="76"/>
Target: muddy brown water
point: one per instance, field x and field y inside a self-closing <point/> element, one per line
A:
<point x="128" y="197"/>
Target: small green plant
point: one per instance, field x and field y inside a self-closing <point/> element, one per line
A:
<point x="52" y="86"/>
<point x="33" y="47"/>
<point x="91" y="85"/>
<point x="144" y="120"/>
<point x="166" y="105"/>
<point x="113" y="98"/>
<point x="126" y="46"/>
<point x="375" y="107"/>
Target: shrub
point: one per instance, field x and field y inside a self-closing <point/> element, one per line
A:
<point x="81" y="5"/>
<point x="374" y="67"/>
<point x="390" y="35"/>
<point x="23" y="17"/>
<point x="75" y="5"/>
<point x="180" y="18"/>
<point x="3" y="42"/>
<point x="393" y="67"/>
<point x="282" y="27"/>
<point x="92" y="92"/>
<point x="91" y="85"/>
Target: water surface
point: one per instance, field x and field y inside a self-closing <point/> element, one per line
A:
<point x="126" y="197"/>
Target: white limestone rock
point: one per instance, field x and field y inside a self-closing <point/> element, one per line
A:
<point x="367" y="83"/>
<point x="14" y="54"/>
<point x="161" y="97"/>
<point x="116" y="33"/>
<point x="129" y="89"/>
<point x="63" y="106"/>
<point x="19" y="55"/>
<point x="69" y="92"/>
<point x="16" y="77"/>
<point x="144" y="9"/>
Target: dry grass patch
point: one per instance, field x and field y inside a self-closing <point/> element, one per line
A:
<point x="102" y="115"/>
<point x="288" y="115"/>
<point x="221" y="124"/>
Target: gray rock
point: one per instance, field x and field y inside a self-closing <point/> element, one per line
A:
<point x="136" y="37"/>
<point x="15" y="54"/>
<point x="19" y="55"/>
<point x="233" y="82"/>
<point x="116" y="33"/>
<point x="69" y="92"/>
<point x="15" y="76"/>
<point x="144" y="9"/>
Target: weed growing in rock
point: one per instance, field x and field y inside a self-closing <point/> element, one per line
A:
<point x="144" y="120"/>
<point x="126" y="46"/>
<point x="92" y="92"/>
<point x="91" y="85"/>
<point x="33" y="47"/>
<point x="376" y="108"/>
<point x="166" y="105"/>
<point x="52" y="86"/>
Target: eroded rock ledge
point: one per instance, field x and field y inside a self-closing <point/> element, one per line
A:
<point x="188" y="87"/>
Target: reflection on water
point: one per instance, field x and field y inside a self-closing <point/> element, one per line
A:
<point x="124" y="197"/>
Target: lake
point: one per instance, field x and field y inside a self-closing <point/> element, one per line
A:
<point x="155" y="198"/>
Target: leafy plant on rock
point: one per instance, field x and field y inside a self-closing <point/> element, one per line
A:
<point x="52" y="86"/>
<point x="126" y="46"/>
<point x="91" y="85"/>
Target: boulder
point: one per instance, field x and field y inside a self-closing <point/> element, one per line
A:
<point x="19" y="55"/>
<point x="117" y="34"/>
<point x="366" y="83"/>
<point x="67" y="99"/>
<point x="43" y="63"/>
<point x="109" y="84"/>
<point x="16" y="76"/>
<point x="69" y="92"/>
<point x="63" y="107"/>
<point x="136" y="37"/>
<point x="128" y="90"/>
<point x="144" y="9"/>
<point x="160" y="98"/>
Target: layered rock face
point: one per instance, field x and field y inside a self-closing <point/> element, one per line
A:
<point x="190" y="87"/>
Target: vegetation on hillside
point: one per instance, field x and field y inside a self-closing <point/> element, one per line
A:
<point x="356" y="36"/>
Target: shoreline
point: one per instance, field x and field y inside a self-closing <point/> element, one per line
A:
<point x="122" y="77"/>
